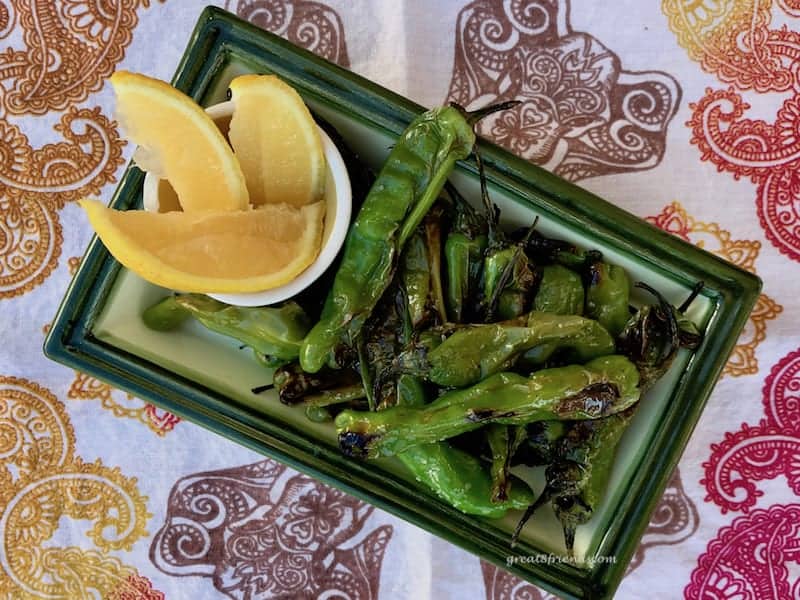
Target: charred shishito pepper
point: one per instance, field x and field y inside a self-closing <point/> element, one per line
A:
<point x="406" y="187"/>
<point x="599" y="388"/>
<point x="454" y="475"/>
<point x="460" y="348"/>
<point x="463" y="253"/>
<point x="474" y="352"/>
<point x="581" y="456"/>
<point x="274" y="333"/>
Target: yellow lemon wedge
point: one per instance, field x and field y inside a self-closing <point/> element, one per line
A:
<point x="179" y="142"/>
<point x="212" y="251"/>
<point x="276" y="141"/>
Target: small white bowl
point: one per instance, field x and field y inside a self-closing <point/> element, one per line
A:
<point x="159" y="196"/>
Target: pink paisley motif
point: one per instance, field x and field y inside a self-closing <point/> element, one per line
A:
<point x="749" y="559"/>
<point x="768" y="154"/>
<point x="766" y="451"/>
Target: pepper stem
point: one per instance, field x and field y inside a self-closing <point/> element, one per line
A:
<point x="366" y="376"/>
<point x="474" y="116"/>
<point x="544" y="497"/>
<point x="508" y="271"/>
<point x="492" y="211"/>
<point x="694" y="293"/>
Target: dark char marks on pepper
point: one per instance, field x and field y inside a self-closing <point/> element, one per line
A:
<point x="594" y="399"/>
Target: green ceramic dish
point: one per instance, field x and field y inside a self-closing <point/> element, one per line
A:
<point x="206" y="379"/>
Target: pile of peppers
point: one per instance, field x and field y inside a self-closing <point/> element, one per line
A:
<point x="460" y="348"/>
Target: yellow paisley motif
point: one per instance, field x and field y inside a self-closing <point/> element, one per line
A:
<point x="732" y="39"/>
<point x="127" y="406"/>
<point x="41" y="482"/>
<point x="742" y="253"/>
<point x="35" y="432"/>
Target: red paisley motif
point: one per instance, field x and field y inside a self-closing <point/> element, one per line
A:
<point x="769" y="449"/>
<point x="163" y="421"/>
<point x="135" y="587"/>
<point x="768" y="154"/>
<point x="749" y="559"/>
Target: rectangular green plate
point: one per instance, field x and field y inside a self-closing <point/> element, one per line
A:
<point x="205" y="378"/>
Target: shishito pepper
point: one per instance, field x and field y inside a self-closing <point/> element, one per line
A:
<point x="474" y="352"/>
<point x="463" y="253"/>
<point x="577" y="479"/>
<point x="273" y="332"/>
<point x="455" y="476"/>
<point x="560" y="291"/>
<point x="608" y="292"/>
<point x="583" y="457"/>
<point x="461" y="480"/>
<point x="503" y="442"/>
<point x="406" y="187"/>
<point x="601" y="387"/>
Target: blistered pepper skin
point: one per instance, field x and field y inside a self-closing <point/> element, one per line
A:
<point x="601" y="387"/>
<point x="406" y="187"/>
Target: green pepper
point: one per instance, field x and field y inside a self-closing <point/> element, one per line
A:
<point x="454" y="475"/>
<point x="560" y="291"/>
<point x="464" y="262"/>
<point x="579" y="475"/>
<point x="603" y="386"/>
<point x="295" y="385"/>
<point x="408" y="184"/>
<point x="540" y="442"/>
<point x="275" y="332"/>
<point x="433" y="243"/>
<point x="415" y="274"/>
<point x="509" y="281"/>
<point x="583" y="457"/>
<point x="608" y="293"/>
<point x="474" y="352"/>
<point x="460" y="480"/>
<point x="463" y="251"/>
<point x="165" y="315"/>
<point x="503" y="443"/>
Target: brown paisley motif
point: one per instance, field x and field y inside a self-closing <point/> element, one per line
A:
<point x="8" y="18"/>
<point x="79" y="166"/>
<point x="310" y="25"/>
<point x="674" y="520"/>
<point x="35" y="183"/>
<point x="263" y="531"/>
<point x="71" y="47"/>
<point x="502" y="585"/>
<point x="30" y="243"/>
<point x="581" y="115"/>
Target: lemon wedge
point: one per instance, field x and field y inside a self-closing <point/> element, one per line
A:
<point x="179" y="142"/>
<point x="276" y="141"/>
<point x="212" y="251"/>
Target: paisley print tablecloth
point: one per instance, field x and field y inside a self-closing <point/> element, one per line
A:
<point x="685" y="112"/>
